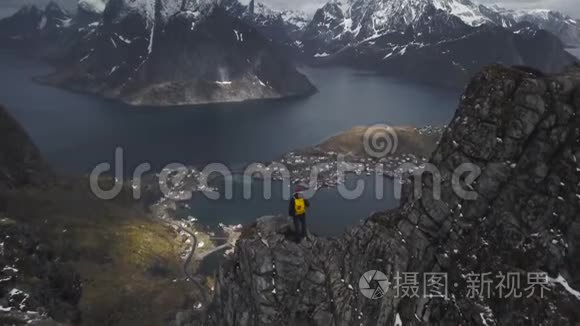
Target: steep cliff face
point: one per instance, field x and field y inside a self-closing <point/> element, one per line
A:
<point x="283" y="27"/>
<point x="69" y="258"/>
<point x="20" y="161"/>
<point x="521" y="129"/>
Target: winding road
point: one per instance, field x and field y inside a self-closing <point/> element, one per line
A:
<point x="189" y="258"/>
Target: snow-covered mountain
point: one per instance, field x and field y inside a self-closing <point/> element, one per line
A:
<point x="294" y="21"/>
<point x="565" y="27"/>
<point x="283" y="27"/>
<point x="356" y="20"/>
<point x="174" y="52"/>
<point x="437" y="41"/>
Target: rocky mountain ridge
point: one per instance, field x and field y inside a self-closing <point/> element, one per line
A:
<point x="522" y="130"/>
<point x="21" y="163"/>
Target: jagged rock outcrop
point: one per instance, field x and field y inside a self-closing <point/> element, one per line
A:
<point x="35" y="288"/>
<point x="521" y="129"/>
<point x="20" y="161"/>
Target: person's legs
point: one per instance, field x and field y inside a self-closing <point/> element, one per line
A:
<point x="303" y="231"/>
<point x="297" y="230"/>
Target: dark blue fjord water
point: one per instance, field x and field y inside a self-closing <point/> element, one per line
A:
<point x="77" y="131"/>
<point x="328" y="214"/>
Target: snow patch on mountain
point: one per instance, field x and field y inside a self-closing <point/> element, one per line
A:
<point x="466" y="10"/>
<point x="93" y="6"/>
<point x="297" y="18"/>
<point x="147" y="9"/>
<point x="170" y="8"/>
<point x="564" y="283"/>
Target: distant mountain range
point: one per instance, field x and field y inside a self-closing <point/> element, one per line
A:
<point x="564" y="27"/>
<point x="367" y="18"/>
<point x="437" y="41"/>
<point x="166" y="52"/>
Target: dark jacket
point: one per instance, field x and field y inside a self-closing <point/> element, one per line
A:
<point x="291" y="210"/>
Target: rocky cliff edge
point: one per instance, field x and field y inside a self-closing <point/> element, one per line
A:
<point x="521" y="129"/>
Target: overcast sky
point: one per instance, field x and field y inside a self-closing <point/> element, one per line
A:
<point x="570" y="7"/>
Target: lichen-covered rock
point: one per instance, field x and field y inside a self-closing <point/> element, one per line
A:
<point x="34" y="285"/>
<point x="522" y="131"/>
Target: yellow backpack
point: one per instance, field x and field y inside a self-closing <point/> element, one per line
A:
<point x="299" y="206"/>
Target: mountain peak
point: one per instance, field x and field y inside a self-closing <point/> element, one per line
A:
<point x="53" y="6"/>
<point x="152" y="10"/>
<point x="252" y="7"/>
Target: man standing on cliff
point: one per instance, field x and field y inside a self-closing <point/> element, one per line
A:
<point x="297" y="209"/>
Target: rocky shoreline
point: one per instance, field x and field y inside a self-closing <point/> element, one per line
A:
<point x="179" y="95"/>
